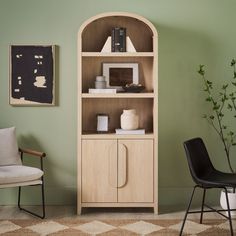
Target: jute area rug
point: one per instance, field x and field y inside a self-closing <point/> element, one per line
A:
<point x="75" y="226"/>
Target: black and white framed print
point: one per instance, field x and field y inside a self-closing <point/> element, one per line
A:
<point x="32" y="75"/>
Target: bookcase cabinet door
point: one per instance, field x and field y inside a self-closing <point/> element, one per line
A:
<point x="135" y="171"/>
<point x="99" y="170"/>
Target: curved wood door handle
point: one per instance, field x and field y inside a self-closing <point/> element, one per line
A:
<point x="112" y="165"/>
<point x="122" y="165"/>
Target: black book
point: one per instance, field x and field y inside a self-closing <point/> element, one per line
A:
<point x="122" y="39"/>
<point x="118" y="39"/>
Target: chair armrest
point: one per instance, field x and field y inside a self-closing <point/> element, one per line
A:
<point x="32" y="152"/>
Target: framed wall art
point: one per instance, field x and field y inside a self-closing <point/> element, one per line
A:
<point x="119" y="74"/>
<point x="32" y="75"/>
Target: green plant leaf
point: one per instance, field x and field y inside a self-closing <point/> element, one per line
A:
<point x="225" y="86"/>
<point x="209" y="82"/>
<point x="233" y="62"/>
<point x="211" y="117"/>
<point x="229" y="107"/>
<point x="216" y="107"/>
<point x="201" y="70"/>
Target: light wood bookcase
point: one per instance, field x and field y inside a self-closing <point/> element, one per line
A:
<point x="117" y="170"/>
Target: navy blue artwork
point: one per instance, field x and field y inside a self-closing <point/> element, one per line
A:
<point x="32" y="75"/>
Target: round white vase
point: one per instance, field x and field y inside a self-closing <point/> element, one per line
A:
<point x="129" y="120"/>
<point x="232" y="201"/>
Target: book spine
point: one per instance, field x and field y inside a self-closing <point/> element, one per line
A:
<point x="113" y="40"/>
<point x="118" y="39"/>
<point x="122" y="39"/>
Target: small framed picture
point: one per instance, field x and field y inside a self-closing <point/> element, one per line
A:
<point x="119" y="74"/>
<point x="102" y="122"/>
<point x="32" y="75"/>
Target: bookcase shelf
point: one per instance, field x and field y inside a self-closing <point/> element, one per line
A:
<point x="117" y="54"/>
<point x="116" y="136"/>
<point x="119" y="95"/>
<point x="139" y="30"/>
<point x="92" y="66"/>
<point x="117" y="170"/>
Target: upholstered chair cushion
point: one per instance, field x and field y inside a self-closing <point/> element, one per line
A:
<point x="9" y="154"/>
<point x="18" y="173"/>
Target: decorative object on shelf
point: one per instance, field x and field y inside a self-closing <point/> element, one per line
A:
<point x="129" y="45"/>
<point x="119" y="74"/>
<point x="107" y="45"/>
<point x="133" y="88"/>
<point x="135" y="131"/>
<point x="32" y="75"/>
<point x="102" y="122"/>
<point x="118" y="39"/>
<point x="106" y="91"/>
<point x="129" y="120"/>
<point x="100" y="82"/>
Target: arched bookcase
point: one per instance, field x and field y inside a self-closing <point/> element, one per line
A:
<point x="117" y="170"/>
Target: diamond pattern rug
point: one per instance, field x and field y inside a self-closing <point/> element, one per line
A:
<point x="76" y="226"/>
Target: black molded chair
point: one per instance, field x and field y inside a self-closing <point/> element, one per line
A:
<point x="206" y="176"/>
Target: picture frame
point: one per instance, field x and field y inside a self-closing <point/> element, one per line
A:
<point x="118" y="75"/>
<point x="32" y="75"/>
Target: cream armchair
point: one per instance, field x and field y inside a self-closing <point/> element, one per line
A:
<point x="13" y="173"/>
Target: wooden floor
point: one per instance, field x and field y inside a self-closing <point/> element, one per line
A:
<point x="52" y="212"/>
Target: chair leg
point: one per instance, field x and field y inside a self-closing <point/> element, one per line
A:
<point x="43" y="200"/>
<point x="185" y="217"/>
<point x="19" y="194"/>
<point x="203" y="201"/>
<point x="229" y="213"/>
<point x="43" y="203"/>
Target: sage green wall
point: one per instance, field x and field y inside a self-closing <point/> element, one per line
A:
<point x="191" y="32"/>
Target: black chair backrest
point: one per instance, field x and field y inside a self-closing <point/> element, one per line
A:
<point x="198" y="159"/>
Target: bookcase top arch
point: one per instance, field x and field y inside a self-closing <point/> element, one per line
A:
<point x="94" y="31"/>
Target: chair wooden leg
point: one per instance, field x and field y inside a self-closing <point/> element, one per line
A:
<point x="202" y="208"/>
<point x="186" y="213"/>
<point x="229" y="213"/>
<point x="30" y="212"/>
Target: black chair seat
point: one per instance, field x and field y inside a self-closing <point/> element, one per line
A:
<point x="218" y="179"/>
<point x="206" y="176"/>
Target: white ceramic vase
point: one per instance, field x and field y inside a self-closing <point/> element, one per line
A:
<point x="129" y="120"/>
<point x="232" y="201"/>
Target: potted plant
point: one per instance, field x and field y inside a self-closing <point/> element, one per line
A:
<point x="222" y="101"/>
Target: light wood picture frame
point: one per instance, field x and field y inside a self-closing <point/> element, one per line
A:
<point x="118" y="75"/>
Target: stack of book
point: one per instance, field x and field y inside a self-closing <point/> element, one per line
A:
<point x="134" y="131"/>
<point x="118" y="39"/>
